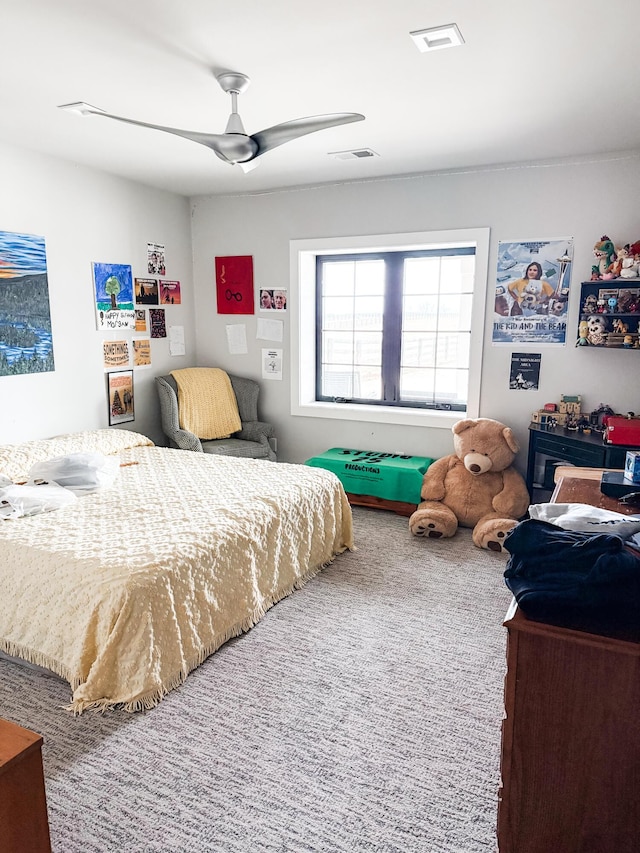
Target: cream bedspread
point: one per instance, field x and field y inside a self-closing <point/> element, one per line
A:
<point x="127" y="590"/>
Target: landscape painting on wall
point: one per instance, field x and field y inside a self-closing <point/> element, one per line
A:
<point x="26" y="343"/>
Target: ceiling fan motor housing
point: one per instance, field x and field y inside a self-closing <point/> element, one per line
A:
<point x="233" y="81"/>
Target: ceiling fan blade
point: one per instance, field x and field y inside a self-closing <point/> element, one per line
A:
<point x="230" y="147"/>
<point x="289" y="130"/>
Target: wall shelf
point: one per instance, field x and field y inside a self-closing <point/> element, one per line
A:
<point x="621" y="319"/>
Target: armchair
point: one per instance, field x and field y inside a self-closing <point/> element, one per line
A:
<point x="252" y="441"/>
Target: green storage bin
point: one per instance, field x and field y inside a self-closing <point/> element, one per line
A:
<point x="390" y="476"/>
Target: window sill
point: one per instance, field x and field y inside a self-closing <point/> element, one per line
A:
<point x="378" y="414"/>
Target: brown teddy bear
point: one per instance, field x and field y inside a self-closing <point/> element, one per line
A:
<point x="474" y="487"/>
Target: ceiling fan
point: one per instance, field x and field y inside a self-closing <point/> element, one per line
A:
<point x="235" y="146"/>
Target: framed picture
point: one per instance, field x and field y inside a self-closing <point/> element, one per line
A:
<point x="120" y="396"/>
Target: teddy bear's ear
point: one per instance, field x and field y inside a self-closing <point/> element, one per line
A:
<point x="456" y="429"/>
<point x="510" y="438"/>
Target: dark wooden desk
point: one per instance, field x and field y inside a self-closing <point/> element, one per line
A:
<point x="570" y="759"/>
<point x="575" y="448"/>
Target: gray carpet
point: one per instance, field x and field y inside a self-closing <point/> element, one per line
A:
<point x="362" y="714"/>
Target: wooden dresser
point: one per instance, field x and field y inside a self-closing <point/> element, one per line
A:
<point x="570" y="760"/>
<point x="24" y="826"/>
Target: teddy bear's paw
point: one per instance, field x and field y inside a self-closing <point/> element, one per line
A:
<point x="490" y="534"/>
<point x="427" y="529"/>
<point x="433" y="523"/>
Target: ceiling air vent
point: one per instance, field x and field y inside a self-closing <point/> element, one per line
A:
<point x="356" y="154"/>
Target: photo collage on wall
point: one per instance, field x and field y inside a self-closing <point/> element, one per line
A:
<point x="135" y="304"/>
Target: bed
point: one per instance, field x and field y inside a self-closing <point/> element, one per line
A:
<point x="127" y="590"/>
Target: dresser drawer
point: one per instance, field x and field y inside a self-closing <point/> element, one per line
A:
<point x="586" y="455"/>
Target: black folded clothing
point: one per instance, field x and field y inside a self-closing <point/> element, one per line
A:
<point x="573" y="578"/>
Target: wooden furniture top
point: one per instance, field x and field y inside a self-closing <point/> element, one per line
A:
<point x="15" y="743"/>
<point x="585" y="490"/>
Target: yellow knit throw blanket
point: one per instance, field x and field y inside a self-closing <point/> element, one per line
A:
<point x="206" y="402"/>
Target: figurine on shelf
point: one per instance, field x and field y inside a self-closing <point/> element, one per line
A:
<point x="597" y="334"/>
<point x="624" y="301"/>
<point x="571" y="422"/>
<point x="627" y="343"/>
<point x="590" y="304"/>
<point x="620" y="327"/>
<point x="597" y="415"/>
<point x="605" y="253"/>
<point x="583" y="332"/>
<point x="601" y="307"/>
<point x="612" y="303"/>
<point x="628" y="266"/>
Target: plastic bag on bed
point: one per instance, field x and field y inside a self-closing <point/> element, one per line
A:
<point x="19" y="501"/>
<point x="81" y="473"/>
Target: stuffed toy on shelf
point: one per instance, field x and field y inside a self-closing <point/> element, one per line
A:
<point x="476" y="486"/>
<point x="605" y="254"/>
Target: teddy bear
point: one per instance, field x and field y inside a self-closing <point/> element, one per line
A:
<point x="476" y="486"/>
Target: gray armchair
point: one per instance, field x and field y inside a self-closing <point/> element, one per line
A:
<point x="252" y="441"/>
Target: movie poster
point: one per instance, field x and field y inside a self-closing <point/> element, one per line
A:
<point x="525" y="371"/>
<point x="146" y="291"/>
<point x="155" y="259"/>
<point x="170" y="291"/>
<point x="532" y="292"/>
<point x="26" y="342"/>
<point x="157" y="322"/>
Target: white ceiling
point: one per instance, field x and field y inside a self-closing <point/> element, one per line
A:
<point x="535" y="79"/>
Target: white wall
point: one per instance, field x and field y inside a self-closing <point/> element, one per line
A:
<point x="581" y="199"/>
<point x="86" y="216"/>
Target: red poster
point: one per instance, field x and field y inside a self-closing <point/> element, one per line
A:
<point x="234" y="284"/>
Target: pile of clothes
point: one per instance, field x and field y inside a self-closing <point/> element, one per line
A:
<point x="54" y="483"/>
<point x="575" y="564"/>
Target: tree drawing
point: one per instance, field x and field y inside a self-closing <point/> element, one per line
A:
<point x="117" y="407"/>
<point x="112" y="287"/>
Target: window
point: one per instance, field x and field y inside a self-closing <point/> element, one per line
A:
<point x="394" y="328"/>
<point x="389" y="328"/>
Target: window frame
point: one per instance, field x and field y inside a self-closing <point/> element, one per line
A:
<point x="303" y="260"/>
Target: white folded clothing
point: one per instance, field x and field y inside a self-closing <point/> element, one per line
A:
<point x="586" y="519"/>
<point x="19" y="501"/>
<point x="81" y="473"/>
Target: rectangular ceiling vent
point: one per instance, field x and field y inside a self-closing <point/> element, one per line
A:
<point x="356" y="154"/>
<point x="437" y="38"/>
